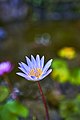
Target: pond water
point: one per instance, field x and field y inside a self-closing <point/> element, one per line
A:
<point x="45" y="38"/>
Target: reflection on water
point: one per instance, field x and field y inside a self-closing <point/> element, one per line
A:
<point x="24" y="38"/>
<point x="43" y="39"/>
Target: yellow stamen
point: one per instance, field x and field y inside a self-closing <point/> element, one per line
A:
<point x="37" y="72"/>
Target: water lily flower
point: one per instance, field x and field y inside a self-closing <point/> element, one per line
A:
<point x="34" y="70"/>
<point x="5" y="67"/>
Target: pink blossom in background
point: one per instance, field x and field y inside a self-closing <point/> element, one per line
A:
<point x="5" y="67"/>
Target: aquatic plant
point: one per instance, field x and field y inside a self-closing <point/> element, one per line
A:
<point x="35" y="71"/>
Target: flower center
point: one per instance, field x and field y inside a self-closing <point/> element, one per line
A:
<point x="36" y="72"/>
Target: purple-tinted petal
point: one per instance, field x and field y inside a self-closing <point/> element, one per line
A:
<point x="33" y="78"/>
<point x="25" y="66"/>
<point x="24" y="75"/>
<point x="20" y="64"/>
<point x="29" y="62"/>
<point x="21" y="74"/>
<point x="33" y="64"/>
<point x="46" y="74"/>
<point x="42" y="62"/>
<point x="33" y="61"/>
<point x="28" y="78"/>
<point x="38" y="61"/>
<point x="46" y="67"/>
<point x="1" y="73"/>
<point x="23" y="70"/>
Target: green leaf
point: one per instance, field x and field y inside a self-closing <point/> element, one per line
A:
<point x="12" y="110"/>
<point x="6" y="115"/>
<point x="58" y="63"/>
<point x="66" y="108"/>
<point x="61" y="74"/>
<point x="75" y="77"/>
<point x="17" y="108"/>
<point x="4" y="92"/>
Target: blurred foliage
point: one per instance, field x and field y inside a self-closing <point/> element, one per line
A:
<point x="57" y="5"/>
<point x="12" y="110"/>
<point x="54" y="97"/>
<point x="54" y="10"/>
<point x="70" y="108"/>
<point x="37" y="2"/>
<point x="61" y="70"/>
<point x="4" y="93"/>
<point x="62" y="73"/>
<point x="67" y="52"/>
<point x="75" y="77"/>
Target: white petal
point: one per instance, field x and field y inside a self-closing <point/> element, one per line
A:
<point x="33" y="61"/>
<point x="38" y="61"/>
<point x="46" y="67"/>
<point x="24" y="75"/>
<point x="20" y="64"/>
<point x="42" y="62"/>
<point x="29" y="62"/>
<point x="21" y="74"/>
<point x="46" y="74"/>
<point x="27" y="68"/>
<point x="23" y="70"/>
<point x="29" y="78"/>
<point x="34" y="79"/>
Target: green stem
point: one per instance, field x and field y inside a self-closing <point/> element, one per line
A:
<point x="8" y="82"/>
<point x="44" y="101"/>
